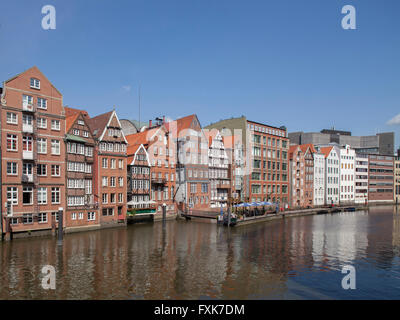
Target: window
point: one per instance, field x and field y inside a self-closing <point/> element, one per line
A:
<point x="12" y="142"/>
<point x="75" y="132"/>
<point x="104" y="163"/>
<point x="41" y="103"/>
<point x="104" y="181"/>
<point x="55" y="125"/>
<point x="80" y="215"/>
<point x="12" y="168"/>
<point x="112" y="197"/>
<point x="12" y="195"/>
<point x="113" y="163"/>
<point x="12" y="118"/>
<point x="55" y="170"/>
<point x="27" y="143"/>
<point x="42" y="123"/>
<point x="27" y="100"/>
<point x="42" y="217"/>
<point x="91" y="216"/>
<point x="121" y="164"/>
<point x="42" y="145"/>
<point x="42" y="195"/>
<point x="121" y="181"/>
<point x="27" y="195"/>
<point x="86" y="135"/>
<point x="120" y="197"/>
<point x="27" y="218"/>
<point x="73" y="216"/>
<point x="35" y="83"/>
<point x="41" y="169"/>
<point x="55" y="146"/>
<point x="112" y="181"/>
<point x="105" y="197"/>
<point x="55" y="195"/>
<point x="81" y="122"/>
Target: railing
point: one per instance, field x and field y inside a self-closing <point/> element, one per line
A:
<point x="28" y="107"/>
<point x="27" y="128"/>
<point x="27" y="155"/>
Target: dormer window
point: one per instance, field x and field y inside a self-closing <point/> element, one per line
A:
<point x="35" y="83"/>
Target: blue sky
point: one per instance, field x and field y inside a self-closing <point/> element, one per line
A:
<point x="279" y="62"/>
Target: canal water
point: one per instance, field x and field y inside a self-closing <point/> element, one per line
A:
<point x="296" y="258"/>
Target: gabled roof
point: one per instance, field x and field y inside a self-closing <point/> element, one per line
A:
<point x="135" y="149"/>
<point x="71" y="111"/>
<point x="38" y="70"/>
<point x="143" y="137"/>
<point x="210" y="135"/>
<point x="292" y="149"/>
<point x="305" y="147"/>
<point x="326" y="151"/>
<point x="99" y="123"/>
<point x="70" y="120"/>
<point x="176" y="126"/>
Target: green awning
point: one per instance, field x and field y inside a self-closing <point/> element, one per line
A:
<point x="75" y="138"/>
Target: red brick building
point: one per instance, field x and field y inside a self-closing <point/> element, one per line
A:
<point x="192" y="181"/>
<point x="265" y="154"/>
<point x="109" y="170"/>
<point x="301" y="175"/>
<point x="32" y="152"/>
<point x="81" y="211"/>
<point x="159" y="151"/>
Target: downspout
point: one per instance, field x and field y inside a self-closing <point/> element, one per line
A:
<point x="2" y="102"/>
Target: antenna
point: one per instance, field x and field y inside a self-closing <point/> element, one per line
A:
<point x="139" y="102"/>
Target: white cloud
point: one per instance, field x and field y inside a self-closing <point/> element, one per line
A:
<point x="127" y="88"/>
<point x="395" y="120"/>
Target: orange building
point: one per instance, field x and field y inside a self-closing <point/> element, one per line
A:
<point x="109" y="168"/>
<point x="32" y="153"/>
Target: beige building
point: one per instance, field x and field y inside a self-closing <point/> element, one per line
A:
<point x="397" y="179"/>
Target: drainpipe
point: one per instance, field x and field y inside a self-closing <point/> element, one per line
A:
<point x="1" y="168"/>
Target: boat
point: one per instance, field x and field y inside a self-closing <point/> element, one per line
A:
<point x="233" y="220"/>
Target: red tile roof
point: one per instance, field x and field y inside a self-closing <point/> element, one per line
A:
<point x="326" y="151"/>
<point x="292" y="149"/>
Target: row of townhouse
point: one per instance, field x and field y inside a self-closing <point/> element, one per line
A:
<point x="333" y="174"/>
<point x="55" y="158"/>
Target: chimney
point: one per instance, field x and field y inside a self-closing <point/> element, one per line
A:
<point x="163" y="119"/>
<point x="150" y="123"/>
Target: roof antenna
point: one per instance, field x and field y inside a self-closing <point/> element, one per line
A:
<point x="139" y="103"/>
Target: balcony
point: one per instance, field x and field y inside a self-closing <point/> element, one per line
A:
<point x="27" y="155"/>
<point x="27" y="178"/>
<point x="158" y="181"/>
<point x="223" y="186"/>
<point x="28" y="107"/>
<point x="27" y="128"/>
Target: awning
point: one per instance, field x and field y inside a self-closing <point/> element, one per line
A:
<point x="75" y="138"/>
<point x="133" y="203"/>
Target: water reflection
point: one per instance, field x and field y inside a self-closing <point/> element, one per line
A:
<point x="293" y="258"/>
